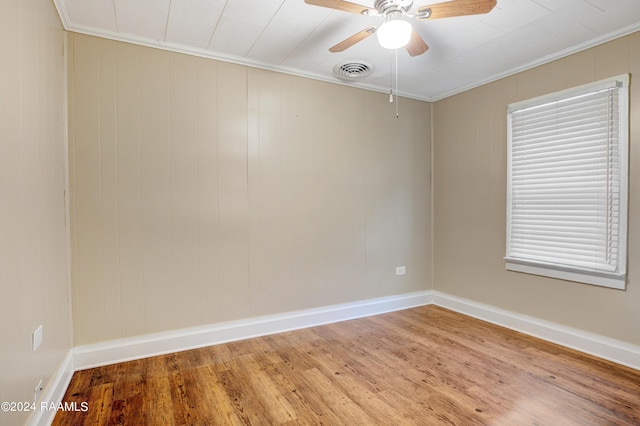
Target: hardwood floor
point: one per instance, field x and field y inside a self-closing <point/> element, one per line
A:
<point x="422" y="366"/>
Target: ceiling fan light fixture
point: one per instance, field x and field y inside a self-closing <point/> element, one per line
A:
<point x="394" y="32"/>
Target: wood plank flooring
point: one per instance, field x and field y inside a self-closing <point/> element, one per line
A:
<point x="422" y="366"/>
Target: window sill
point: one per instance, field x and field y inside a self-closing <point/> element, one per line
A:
<point x="615" y="281"/>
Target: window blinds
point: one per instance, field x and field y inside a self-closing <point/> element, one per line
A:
<point x="567" y="181"/>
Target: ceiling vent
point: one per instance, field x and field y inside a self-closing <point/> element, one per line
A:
<point x="352" y="70"/>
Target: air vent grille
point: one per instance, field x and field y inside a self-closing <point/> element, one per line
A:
<point x="351" y="70"/>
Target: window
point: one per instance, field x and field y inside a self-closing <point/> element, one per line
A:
<point x="567" y="184"/>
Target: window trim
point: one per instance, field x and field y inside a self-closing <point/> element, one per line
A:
<point x="616" y="279"/>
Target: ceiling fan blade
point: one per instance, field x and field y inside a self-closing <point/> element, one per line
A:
<point x="417" y="45"/>
<point x="456" y="8"/>
<point x="339" y="5"/>
<point x="347" y="43"/>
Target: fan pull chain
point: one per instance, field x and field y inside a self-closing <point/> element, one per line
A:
<point x="390" y="80"/>
<point x="397" y="100"/>
<point x="391" y="75"/>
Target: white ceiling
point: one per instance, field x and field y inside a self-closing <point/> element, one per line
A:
<point x="293" y="37"/>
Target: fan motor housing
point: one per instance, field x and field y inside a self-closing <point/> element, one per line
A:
<point x="385" y="6"/>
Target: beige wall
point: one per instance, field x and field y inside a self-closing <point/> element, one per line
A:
<point x="204" y="191"/>
<point x="470" y="199"/>
<point x="33" y="250"/>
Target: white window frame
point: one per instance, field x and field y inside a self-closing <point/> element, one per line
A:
<point x="615" y="277"/>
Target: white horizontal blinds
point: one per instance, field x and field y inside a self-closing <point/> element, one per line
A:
<point x="565" y="182"/>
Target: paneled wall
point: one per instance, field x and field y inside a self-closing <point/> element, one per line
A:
<point x="33" y="242"/>
<point x="470" y="198"/>
<point x="204" y="191"/>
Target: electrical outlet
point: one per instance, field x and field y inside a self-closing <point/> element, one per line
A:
<point x="37" y="391"/>
<point x="401" y="270"/>
<point x="37" y="338"/>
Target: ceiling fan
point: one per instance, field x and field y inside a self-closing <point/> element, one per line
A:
<point x="395" y="32"/>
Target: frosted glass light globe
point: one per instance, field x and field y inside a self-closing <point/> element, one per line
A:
<point x="394" y="33"/>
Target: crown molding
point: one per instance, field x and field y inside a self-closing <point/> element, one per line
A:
<point x="205" y="53"/>
<point x="210" y="54"/>
<point x="621" y="32"/>
<point x="61" y="7"/>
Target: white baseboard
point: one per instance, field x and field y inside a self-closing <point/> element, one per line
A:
<point x="613" y="350"/>
<point x="128" y="349"/>
<point x="121" y="350"/>
<point x="53" y="392"/>
<point x="104" y="353"/>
